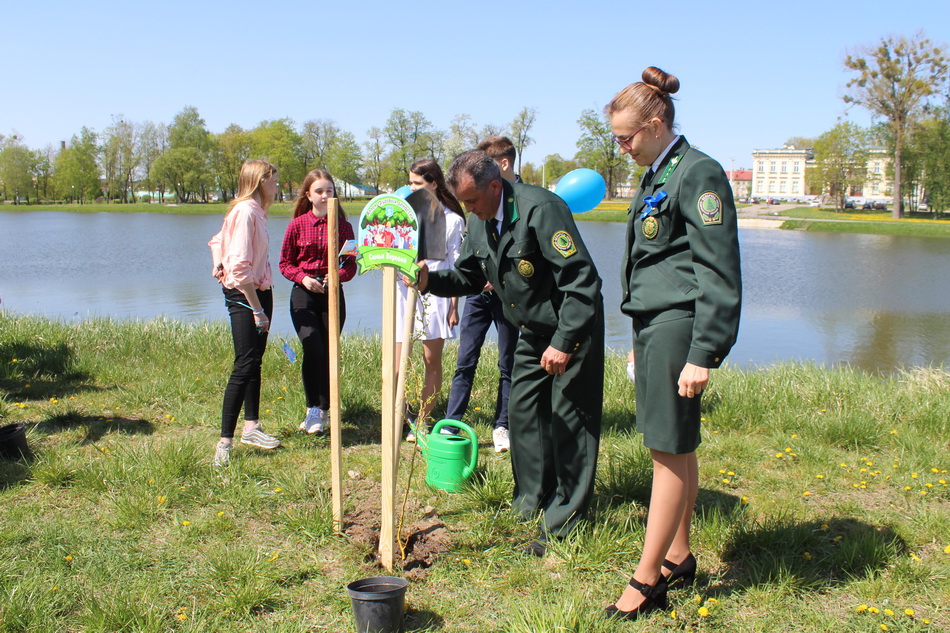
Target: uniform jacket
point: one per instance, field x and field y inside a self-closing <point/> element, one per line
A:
<point x="692" y="261"/>
<point x="539" y="266"/>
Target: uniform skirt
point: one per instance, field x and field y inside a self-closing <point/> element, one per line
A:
<point x="669" y="422"/>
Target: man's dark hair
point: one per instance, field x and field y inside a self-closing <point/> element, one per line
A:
<point x="475" y="163"/>
<point x="499" y="147"/>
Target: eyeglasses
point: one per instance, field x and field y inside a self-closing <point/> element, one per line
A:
<point x="625" y="142"/>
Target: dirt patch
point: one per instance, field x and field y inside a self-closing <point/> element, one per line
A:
<point x="423" y="537"/>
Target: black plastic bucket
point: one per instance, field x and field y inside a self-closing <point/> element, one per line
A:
<point x="13" y="442"/>
<point x="378" y="604"/>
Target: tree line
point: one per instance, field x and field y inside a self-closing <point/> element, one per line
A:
<point x="184" y="162"/>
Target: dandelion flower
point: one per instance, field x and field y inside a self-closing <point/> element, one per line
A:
<point x="873" y="610"/>
<point x="862" y="608"/>
<point x="54" y="588"/>
<point x="725" y="481"/>
<point x="722" y="471"/>
<point x="893" y="431"/>
<point x="186" y="523"/>
<point x="68" y="558"/>
<point x="703" y="612"/>
<point x="946" y="550"/>
<point x="277" y="489"/>
<point x="794" y="435"/>
<point x="914" y="475"/>
<point x="731" y="474"/>
<point x="221" y="514"/>
<point x="915" y="557"/>
<point x="181" y="617"/>
<point x="807" y="555"/>
<point x="745" y="501"/>
<point x="884" y="627"/>
<point x="806" y="494"/>
<point x="888" y="612"/>
<point x="908" y="612"/>
<point x="819" y="476"/>
<point x="697" y="599"/>
<point x="274" y="557"/>
<point x="673" y="614"/>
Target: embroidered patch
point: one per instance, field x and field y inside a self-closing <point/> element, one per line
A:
<point x="564" y="243"/>
<point x="526" y="268"/>
<point x="710" y="208"/>
<point x="650" y="227"/>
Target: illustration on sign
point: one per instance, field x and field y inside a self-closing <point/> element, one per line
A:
<point x="388" y="236"/>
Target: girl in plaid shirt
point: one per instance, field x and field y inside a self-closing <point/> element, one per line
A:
<point x="304" y="260"/>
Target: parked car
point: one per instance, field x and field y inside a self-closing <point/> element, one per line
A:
<point x="848" y="204"/>
<point x="773" y="201"/>
<point x="815" y="203"/>
<point x="874" y="206"/>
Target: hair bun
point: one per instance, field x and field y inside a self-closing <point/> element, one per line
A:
<point x="662" y="81"/>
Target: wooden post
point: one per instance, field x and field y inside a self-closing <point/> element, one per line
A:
<point x="408" y="327"/>
<point x="333" y="307"/>
<point x="387" y="531"/>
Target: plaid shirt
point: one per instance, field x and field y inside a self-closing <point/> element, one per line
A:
<point x="304" y="253"/>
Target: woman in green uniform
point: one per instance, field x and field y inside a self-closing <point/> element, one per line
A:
<point x="682" y="288"/>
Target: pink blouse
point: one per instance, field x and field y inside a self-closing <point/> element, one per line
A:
<point x="241" y="247"/>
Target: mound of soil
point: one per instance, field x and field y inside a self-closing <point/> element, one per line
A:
<point x="423" y="537"/>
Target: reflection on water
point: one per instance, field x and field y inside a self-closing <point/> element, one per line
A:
<point x="873" y="301"/>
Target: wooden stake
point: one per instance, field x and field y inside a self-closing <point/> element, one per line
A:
<point x="408" y="327"/>
<point x="333" y="307"/>
<point x="387" y="531"/>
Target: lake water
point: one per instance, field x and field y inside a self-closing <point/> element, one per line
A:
<point x="877" y="302"/>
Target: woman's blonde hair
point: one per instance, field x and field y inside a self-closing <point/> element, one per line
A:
<point x="648" y="99"/>
<point x="249" y="181"/>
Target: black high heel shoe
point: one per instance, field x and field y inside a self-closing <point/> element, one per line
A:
<point x="655" y="598"/>
<point x="682" y="574"/>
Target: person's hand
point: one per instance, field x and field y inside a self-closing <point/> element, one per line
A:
<point x="312" y="284"/>
<point x="453" y="316"/>
<point x="693" y="379"/>
<point x="422" y="278"/>
<point x="488" y="287"/>
<point x="261" y="321"/>
<point x="218" y="272"/>
<point x="554" y="361"/>
<point x="631" y="364"/>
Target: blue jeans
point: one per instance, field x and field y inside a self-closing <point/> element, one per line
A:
<point x="481" y="311"/>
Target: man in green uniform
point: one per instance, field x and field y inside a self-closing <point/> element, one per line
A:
<point x="549" y="288"/>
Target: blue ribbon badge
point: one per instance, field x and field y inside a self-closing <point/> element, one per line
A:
<point x="652" y="203"/>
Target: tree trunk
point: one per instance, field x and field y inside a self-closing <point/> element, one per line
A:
<point x="898" y="211"/>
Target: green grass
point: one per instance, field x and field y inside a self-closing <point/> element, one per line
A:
<point x="906" y="228"/>
<point x="821" y="490"/>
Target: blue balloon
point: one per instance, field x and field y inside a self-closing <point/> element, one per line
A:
<point x="403" y="192"/>
<point x="582" y="189"/>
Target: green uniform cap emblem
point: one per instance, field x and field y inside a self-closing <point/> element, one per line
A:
<point x="710" y="208"/>
<point x="650" y="227"/>
<point x="526" y="268"/>
<point x="564" y="243"/>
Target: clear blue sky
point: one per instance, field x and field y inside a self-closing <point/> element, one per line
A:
<point x="752" y="74"/>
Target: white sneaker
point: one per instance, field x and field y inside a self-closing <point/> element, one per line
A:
<point x="314" y="422"/>
<point x="222" y="453"/>
<point x="502" y="442"/>
<point x="257" y="437"/>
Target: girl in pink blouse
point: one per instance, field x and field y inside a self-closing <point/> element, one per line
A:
<point x="304" y="260"/>
<point x="239" y="253"/>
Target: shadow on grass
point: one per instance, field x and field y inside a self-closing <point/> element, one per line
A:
<point x="95" y="426"/>
<point x="808" y="555"/>
<point x="422" y="620"/>
<point x="14" y="473"/>
<point x="48" y="370"/>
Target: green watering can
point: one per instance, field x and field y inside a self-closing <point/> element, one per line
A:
<point x="450" y="459"/>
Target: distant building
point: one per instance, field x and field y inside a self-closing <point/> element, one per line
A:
<point x="780" y="173"/>
<point x="741" y="182"/>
